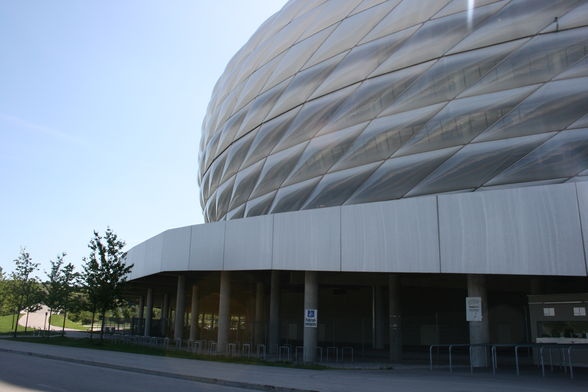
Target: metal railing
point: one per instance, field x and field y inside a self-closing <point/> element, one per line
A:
<point x="246" y="350"/>
<point x="565" y="355"/>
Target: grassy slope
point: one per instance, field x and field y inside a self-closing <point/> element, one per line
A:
<point x="57" y="321"/>
<point x="6" y="325"/>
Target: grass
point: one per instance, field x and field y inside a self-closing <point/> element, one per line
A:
<point x="139" y="349"/>
<point x="57" y="321"/>
<point x="7" y="326"/>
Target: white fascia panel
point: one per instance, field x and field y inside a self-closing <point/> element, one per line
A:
<point x="308" y="240"/>
<point x="532" y="230"/>
<point x="391" y="236"/>
<point x="248" y="244"/>
<point x="207" y="247"/>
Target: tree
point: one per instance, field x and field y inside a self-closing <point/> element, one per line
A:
<point x="24" y="284"/>
<point x="53" y="287"/>
<point x="105" y="273"/>
<point x="69" y="278"/>
<point x="59" y="287"/>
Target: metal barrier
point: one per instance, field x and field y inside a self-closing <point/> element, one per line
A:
<point x="296" y="349"/>
<point x="261" y="351"/>
<point x="285" y="349"/>
<point x="333" y="349"/>
<point x="348" y="349"/>
<point x="565" y="357"/>
<point x="320" y="351"/>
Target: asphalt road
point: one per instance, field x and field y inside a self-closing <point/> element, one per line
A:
<point x="19" y="373"/>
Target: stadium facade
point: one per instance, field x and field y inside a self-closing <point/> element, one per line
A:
<point x="376" y="163"/>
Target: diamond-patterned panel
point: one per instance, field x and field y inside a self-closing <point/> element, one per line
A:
<point x="337" y="102"/>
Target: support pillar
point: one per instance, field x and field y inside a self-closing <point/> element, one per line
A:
<point x="479" y="330"/>
<point x="140" y="308"/>
<point x="180" y="308"/>
<point x="395" y="328"/>
<point x="274" y="316"/>
<point x="140" y="316"/>
<point x="224" y="312"/>
<point x="149" y="312"/>
<point x="164" y="314"/>
<point x="310" y="302"/>
<point x="258" y="332"/>
<point x="194" y="313"/>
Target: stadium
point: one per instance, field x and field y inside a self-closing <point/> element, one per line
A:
<point x="368" y="167"/>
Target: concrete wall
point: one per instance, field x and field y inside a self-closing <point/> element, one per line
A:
<point x="539" y="230"/>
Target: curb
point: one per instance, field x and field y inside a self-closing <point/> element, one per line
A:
<point x="201" y="379"/>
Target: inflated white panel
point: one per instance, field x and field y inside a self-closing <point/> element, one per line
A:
<point x="248" y="244"/>
<point x="176" y="249"/>
<point x="397" y="236"/>
<point x="308" y="240"/>
<point x="534" y="230"/>
<point x="206" y="247"/>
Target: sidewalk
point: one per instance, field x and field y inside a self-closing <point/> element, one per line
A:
<point x="286" y="379"/>
<point x="39" y="320"/>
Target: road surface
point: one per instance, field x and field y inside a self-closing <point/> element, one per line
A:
<point x="20" y="373"/>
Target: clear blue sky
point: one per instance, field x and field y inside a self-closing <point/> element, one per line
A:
<point x="101" y="104"/>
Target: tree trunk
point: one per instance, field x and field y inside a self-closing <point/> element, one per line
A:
<point x="49" y="324"/>
<point x="102" y="328"/>
<point x="17" y="314"/>
<point x="64" y="318"/>
<point x="92" y="324"/>
<point x="27" y="322"/>
<point x="14" y="321"/>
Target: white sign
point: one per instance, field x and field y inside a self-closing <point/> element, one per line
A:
<point x="579" y="311"/>
<point x="548" y="312"/>
<point x="473" y="308"/>
<point x="310" y="318"/>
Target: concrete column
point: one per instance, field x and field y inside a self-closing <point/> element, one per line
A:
<point x="194" y="313"/>
<point x="378" y="317"/>
<point x="149" y="313"/>
<point x="479" y="330"/>
<point x="180" y="307"/>
<point x="140" y="315"/>
<point x="140" y="308"/>
<point x="164" y="314"/>
<point x="395" y="330"/>
<point x="224" y="312"/>
<point x="274" y="315"/>
<point x="310" y="302"/>
<point x="258" y="332"/>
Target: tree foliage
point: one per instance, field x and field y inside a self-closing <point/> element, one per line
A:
<point x="25" y="288"/>
<point x="105" y="273"/>
<point x="60" y="287"/>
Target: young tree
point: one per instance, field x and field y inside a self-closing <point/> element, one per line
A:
<point x="69" y="279"/>
<point x="53" y="287"/>
<point x="105" y="273"/>
<point x="24" y="284"/>
<point x="60" y="285"/>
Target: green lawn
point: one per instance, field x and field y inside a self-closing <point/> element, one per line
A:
<point x="57" y="321"/>
<point x="7" y="326"/>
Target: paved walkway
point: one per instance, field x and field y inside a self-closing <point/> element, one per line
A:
<point x="38" y="320"/>
<point x="286" y="379"/>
